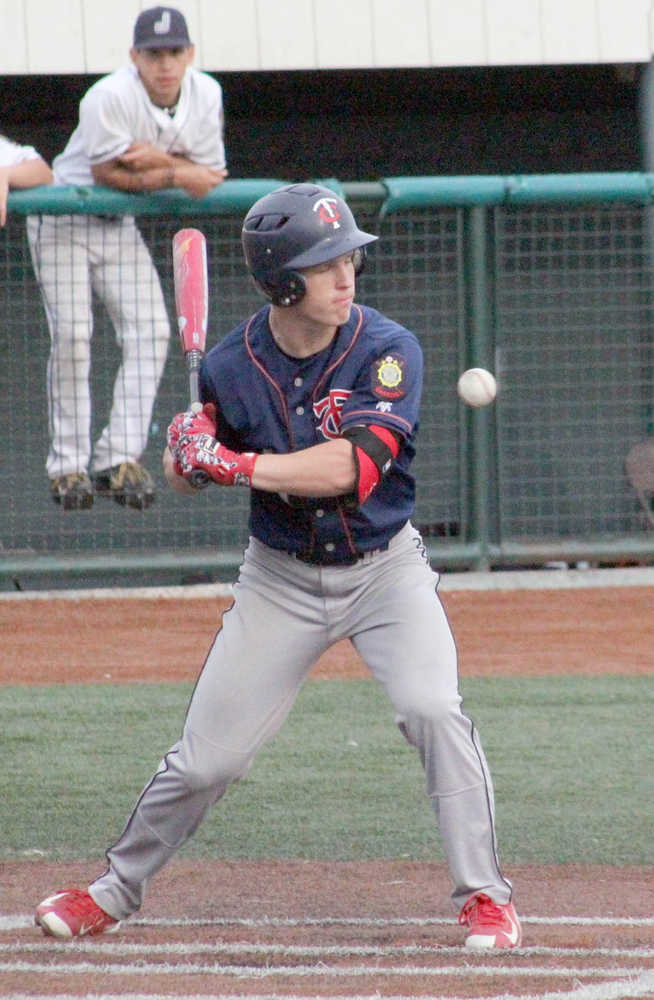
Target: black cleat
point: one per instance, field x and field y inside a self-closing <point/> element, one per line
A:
<point x="73" y="492"/>
<point x="129" y="484"/>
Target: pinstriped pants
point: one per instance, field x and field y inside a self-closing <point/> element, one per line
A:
<point x="73" y="256"/>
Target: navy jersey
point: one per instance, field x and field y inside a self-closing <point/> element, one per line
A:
<point x="371" y="373"/>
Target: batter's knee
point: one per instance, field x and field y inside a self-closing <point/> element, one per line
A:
<point x="431" y="717"/>
<point x="435" y="707"/>
<point x="204" y="766"/>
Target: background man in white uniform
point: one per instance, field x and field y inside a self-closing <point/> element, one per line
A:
<point x="20" y="167"/>
<point x="155" y="123"/>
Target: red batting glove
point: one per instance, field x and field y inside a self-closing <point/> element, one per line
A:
<point x="175" y="430"/>
<point x="225" y="467"/>
<point x="203" y="422"/>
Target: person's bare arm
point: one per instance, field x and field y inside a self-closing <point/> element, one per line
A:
<point x="145" y="168"/>
<point x="324" y="470"/>
<point x="28" y="174"/>
<point x="143" y="156"/>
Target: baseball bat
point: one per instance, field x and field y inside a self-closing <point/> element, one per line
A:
<point x="192" y="306"/>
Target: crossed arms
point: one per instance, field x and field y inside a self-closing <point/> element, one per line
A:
<point x="145" y="168"/>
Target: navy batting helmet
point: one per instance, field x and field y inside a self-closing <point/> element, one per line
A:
<point x="294" y="227"/>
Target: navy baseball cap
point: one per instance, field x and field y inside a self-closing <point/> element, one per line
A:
<point x="161" y="28"/>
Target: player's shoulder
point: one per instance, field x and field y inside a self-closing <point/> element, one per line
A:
<point x="125" y="77"/>
<point x="226" y="363"/>
<point x="10" y="151"/>
<point x="378" y="328"/>
<point x="232" y="344"/>
<point x="204" y="85"/>
<point x="232" y="348"/>
<point x="122" y="83"/>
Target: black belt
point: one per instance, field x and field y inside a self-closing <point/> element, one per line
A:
<point x="323" y="559"/>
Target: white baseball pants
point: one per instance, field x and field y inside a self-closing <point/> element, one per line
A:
<point x="73" y="256"/>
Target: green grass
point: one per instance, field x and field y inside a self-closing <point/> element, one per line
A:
<point x="572" y="760"/>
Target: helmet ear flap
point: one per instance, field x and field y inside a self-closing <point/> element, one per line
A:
<point x="288" y="289"/>
<point x="359" y="258"/>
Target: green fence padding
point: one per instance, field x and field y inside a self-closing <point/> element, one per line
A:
<point x="413" y="192"/>
<point x="232" y="197"/>
<point x="403" y="193"/>
<point x="532" y="189"/>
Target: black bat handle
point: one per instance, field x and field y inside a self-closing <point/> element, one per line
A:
<point x="193" y="363"/>
<point x="199" y="479"/>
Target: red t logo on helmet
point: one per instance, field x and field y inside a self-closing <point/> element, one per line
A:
<point x="328" y="214"/>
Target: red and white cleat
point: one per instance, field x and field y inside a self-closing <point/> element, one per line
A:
<point x="73" y="913"/>
<point x="490" y="924"/>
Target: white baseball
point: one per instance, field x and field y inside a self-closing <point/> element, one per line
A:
<point x="477" y="387"/>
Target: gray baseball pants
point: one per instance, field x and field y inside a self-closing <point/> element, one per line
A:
<point x="285" y="615"/>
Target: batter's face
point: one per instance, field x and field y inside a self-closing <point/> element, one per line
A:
<point x="162" y="72"/>
<point x="330" y="292"/>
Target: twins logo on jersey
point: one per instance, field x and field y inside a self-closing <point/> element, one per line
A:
<point x="328" y="411"/>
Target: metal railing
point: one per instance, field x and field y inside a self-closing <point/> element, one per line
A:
<point x="545" y="280"/>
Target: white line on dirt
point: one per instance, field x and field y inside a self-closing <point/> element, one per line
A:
<point x="378" y="921"/>
<point x="320" y="969"/>
<point x="112" y="948"/>
<point x="11" y="922"/>
<point x="615" y="984"/>
<point x="640" y="988"/>
<point x="386" y="922"/>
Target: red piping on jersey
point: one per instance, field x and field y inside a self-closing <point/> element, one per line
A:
<point x="275" y="385"/>
<point x="376" y="415"/>
<point x="346" y="528"/>
<point x="344" y="354"/>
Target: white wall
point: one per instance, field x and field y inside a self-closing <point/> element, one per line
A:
<point x="93" y="36"/>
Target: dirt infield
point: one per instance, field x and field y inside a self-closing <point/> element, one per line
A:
<point x="497" y="632"/>
<point x="372" y="929"/>
<point x="304" y="929"/>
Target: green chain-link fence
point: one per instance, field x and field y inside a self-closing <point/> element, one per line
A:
<point x="546" y="281"/>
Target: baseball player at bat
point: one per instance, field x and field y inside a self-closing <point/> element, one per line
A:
<point x="312" y="404"/>
<point x="155" y="123"/>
